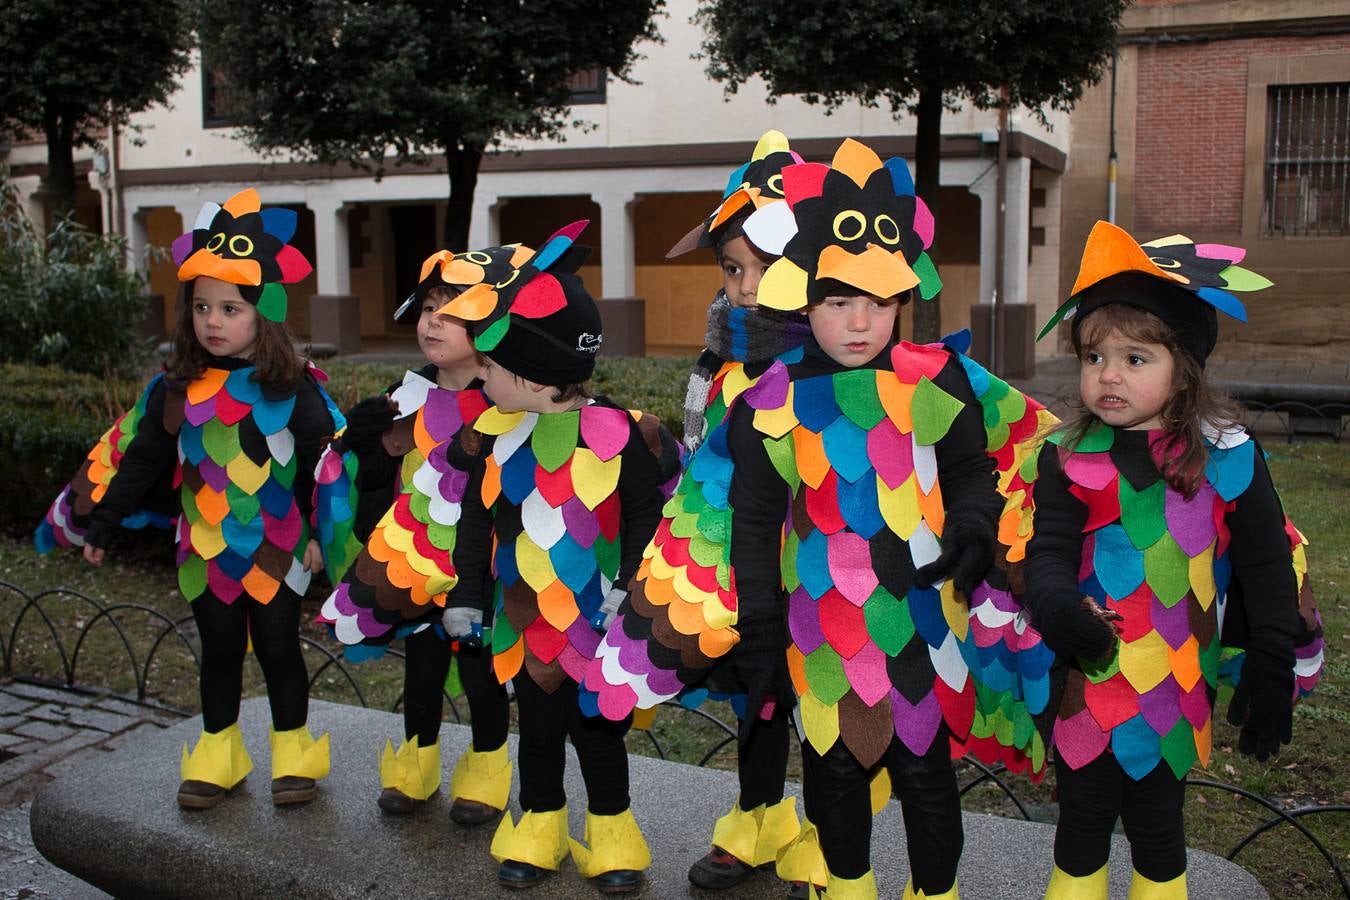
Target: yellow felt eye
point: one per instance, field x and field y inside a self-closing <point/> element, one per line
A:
<point x="241" y="245"/>
<point x="1163" y="262"/>
<point x="479" y="257"/>
<point x="852" y="220"/>
<point x="509" y="278"/>
<point x="886" y="229"/>
<point x="776" y="184"/>
<point x="217" y="241"/>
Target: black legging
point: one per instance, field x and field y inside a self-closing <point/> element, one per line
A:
<point x="546" y="720"/>
<point x="424" y="672"/>
<point x="761" y="762"/>
<point x="1093" y="797"/>
<point x="838" y="796"/>
<point x="275" y="627"/>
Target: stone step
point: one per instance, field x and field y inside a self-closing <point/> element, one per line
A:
<point x="118" y="828"/>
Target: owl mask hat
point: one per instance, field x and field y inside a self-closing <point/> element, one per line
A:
<point x="751" y="186"/>
<point x="1181" y="282"/>
<point x="538" y="321"/>
<point x="458" y="271"/>
<point x="856" y="222"/>
<point x="245" y="245"/>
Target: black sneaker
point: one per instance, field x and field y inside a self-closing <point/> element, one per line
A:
<point x="515" y="874"/>
<point x="618" y="881"/>
<point x="719" y="870"/>
<point x="800" y="890"/>
<point x="290" y="789"/>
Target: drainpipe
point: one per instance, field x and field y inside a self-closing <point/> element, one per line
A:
<point x="1112" y="158"/>
<point x="1000" y="238"/>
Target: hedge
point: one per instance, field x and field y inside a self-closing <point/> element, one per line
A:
<point x="50" y="418"/>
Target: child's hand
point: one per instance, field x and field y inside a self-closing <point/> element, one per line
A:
<point x="93" y="555"/>
<point x="1077" y="627"/>
<point x="313" y="558"/>
<point x="604" y="616"/>
<point x="1263" y="705"/>
<point x="367" y="422"/>
<point x="967" y="554"/>
<point x="463" y="624"/>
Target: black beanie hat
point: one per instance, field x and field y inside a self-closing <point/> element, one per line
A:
<point x="1195" y="322"/>
<point x="557" y="349"/>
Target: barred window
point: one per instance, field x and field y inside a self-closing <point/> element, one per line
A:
<point x="219" y="105"/>
<point x="587" y="86"/>
<point x="1307" y="179"/>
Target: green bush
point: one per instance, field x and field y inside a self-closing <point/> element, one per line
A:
<point x="67" y="298"/>
<point x="50" y="418"/>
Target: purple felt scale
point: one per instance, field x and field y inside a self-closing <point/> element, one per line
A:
<point x="770" y="391"/>
<point x="1174" y="625"/>
<point x="1189" y="521"/>
<point x="1161" y="707"/>
<point x="804" y="621"/>
<point x="441" y="414"/>
<point x="581" y="523"/>
<point x="213" y="474"/>
<point x="199" y="414"/>
<point x="916" y="725"/>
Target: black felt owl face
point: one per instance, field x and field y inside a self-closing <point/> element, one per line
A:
<point x="525" y="287"/>
<point x="855" y="223"/>
<point x="460" y="271"/>
<point x="244" y="244"/>
<point x="751" y="186"/>
<point x="1180" y="258"/>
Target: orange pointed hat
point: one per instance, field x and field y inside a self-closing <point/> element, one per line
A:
<point x="1176" y="279"/>
<point x="245" y="245"/>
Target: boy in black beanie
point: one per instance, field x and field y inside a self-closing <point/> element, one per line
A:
<point x="552" y="496"/>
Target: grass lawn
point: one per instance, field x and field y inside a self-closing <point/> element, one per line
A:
<point x="1314" y="480"/>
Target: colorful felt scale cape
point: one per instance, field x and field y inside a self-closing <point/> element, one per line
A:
<point x="67" y="520"/>
<point x="241" y="529"/>
<point x="872" y="656"/>
<point x="429" y="416"/>
<point x="556" y="554"/>
<point x="1160" y="561"/>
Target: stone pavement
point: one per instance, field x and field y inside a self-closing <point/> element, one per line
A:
<point x="44" y="733"/>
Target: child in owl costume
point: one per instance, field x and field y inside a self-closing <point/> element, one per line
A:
<point x="372" y="463"/>
<point x="234" y="423"/>
<point x="537" y="511"/>
<point x="1159" y="539"/>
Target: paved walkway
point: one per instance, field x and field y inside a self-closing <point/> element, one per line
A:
<point x="46" y="732"/>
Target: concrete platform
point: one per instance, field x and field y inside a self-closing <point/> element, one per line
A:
<point x="116" y="826"/>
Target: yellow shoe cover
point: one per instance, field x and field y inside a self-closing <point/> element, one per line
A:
<point x="755" y="836"/>
<point x="540" y="839"/>
<point x="482" y="778"/>
<point x="881" y="790"/>
<point x="220" y="759"/>
<point x="1064" y="886"/>
<point x="911" y="894"/>
<point x="864" y="887"/>
<point x="296" y="753"/>
<point x="801" y="858"/>
<point x="1142" y="888"/>
<point x="413" y="771"/>
<point x="615" y="842"/>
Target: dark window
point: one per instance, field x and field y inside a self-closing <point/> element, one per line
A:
<point x="587" y="86"/>
<point x="218" y="101"/>
<point x="1307" y="160"/>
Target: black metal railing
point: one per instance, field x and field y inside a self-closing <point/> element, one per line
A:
<point x="32" y="612"/>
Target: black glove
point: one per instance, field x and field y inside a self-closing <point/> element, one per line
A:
<point x="367" y="422"/>
<point x="967" y="553"/>
<point x="760" y="660"/>
<point x="1075" y="626"/>
<point x="1263" y="705"/>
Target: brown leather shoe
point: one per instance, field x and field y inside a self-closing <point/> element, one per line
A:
<point x="194" y="794"/>
<point x="290" y="789"/>
<point x="394" y="801"/>
<point x="471" y="812"/>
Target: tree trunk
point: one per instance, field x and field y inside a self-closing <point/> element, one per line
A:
<point x="462" y="161"/>
<point x="927" y="164"/>
<point x="60" y="165"/>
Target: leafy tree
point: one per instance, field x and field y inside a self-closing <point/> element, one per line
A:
<point x="354" y="80"/>
<point x="71" y="68"/>
<point x="918" y="56"/>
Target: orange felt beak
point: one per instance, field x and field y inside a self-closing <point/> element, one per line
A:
<point x="875" y="271"/>
<point x="235" y="271"/>
<point x="473" y="305"/>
